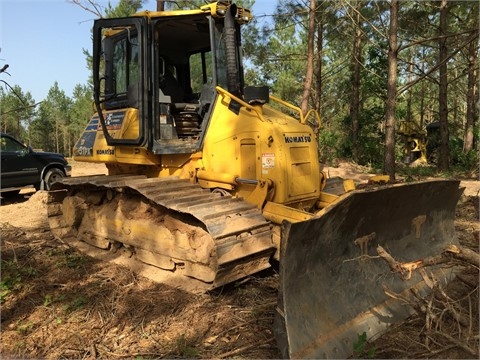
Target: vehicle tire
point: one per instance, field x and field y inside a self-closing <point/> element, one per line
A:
<point x="10" y="194"/>
<point x="52" y="176"/>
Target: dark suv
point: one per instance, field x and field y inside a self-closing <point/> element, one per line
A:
<point x="23" y="167"/>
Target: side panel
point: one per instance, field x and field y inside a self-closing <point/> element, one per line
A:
<point x="303" y="173"/>
<point x="92" y="145"/>
<point x="246" y="144"/>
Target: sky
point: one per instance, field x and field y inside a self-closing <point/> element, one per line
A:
<point x="42" y="41"/>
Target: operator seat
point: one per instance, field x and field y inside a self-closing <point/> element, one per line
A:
<point x="171" y="87"/>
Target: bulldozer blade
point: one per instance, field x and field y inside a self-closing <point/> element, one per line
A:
<point x="332" y="282"/>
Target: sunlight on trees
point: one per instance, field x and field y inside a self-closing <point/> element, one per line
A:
<point x="437" y="77"/>
<point x="353" y="55"/>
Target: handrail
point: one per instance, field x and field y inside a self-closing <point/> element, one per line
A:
<point x="225" y="93"/>
<point x="293" y="107"/>
<point x="296" y="108"/>
<point x="317" y="115"/>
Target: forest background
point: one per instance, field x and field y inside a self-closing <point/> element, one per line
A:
<point x="370" y="68"/>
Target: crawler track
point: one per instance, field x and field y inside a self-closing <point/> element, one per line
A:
<point x="167" y="228"/>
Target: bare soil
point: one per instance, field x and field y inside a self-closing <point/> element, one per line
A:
<point x="58" y="303"/>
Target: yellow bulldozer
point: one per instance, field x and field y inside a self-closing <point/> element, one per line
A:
<point x="209" y="182"/>
<point x="415" y="142"/>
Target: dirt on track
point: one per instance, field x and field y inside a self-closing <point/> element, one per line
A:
<point x="58" y="303"/>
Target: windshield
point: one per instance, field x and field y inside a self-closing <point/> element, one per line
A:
<point x="119" y="67"/>
<point x="125" y="63"/>
<point x="220" y="55"/>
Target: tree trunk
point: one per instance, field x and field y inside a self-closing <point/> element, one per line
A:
<point x="472" y="96"/>
<point x="318" y="83"/>
<point x="409" y="115"/>
<point x="64" y="142"/>
<point x="57" y="137"/>
<point x="422" y="98"/>
<point x="355" y="76"/>
<point x="160" y="5"/>
<point x="310" y="52"/>
<point x="389" y="154"/>
<point x="443" y="161"/>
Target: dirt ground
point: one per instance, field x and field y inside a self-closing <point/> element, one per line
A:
<point x="57" y="303"/>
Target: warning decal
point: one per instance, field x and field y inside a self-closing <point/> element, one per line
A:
<point x="268" y="161"/>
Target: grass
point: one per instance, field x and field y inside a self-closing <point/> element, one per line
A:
<point x="71" y="261"/>
<point x="13" y="274"/>
<point x="416" y="173"/>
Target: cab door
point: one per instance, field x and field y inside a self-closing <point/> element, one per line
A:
<point x="121" y="63"/>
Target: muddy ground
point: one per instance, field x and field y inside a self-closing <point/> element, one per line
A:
<point x="57" y="303"/>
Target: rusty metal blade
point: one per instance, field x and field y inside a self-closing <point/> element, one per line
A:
<point x="331" y="279"/>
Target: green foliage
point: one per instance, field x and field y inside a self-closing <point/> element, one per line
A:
<point x="184" y="348"/>
<point x="47" y="300"/>
<point x="72" y="261"/>
<point x="81" y="111"/>
<point x="329" y="145"/>
<point x="467" y="161"/>
<point x="53" y="125"/>
<point x="123" y="8"/>
<point x="275" y="54"/>
<point x="374" y="76"/>
<point x="416" y="173"/>
<point x="47" y="130"/>
<point x="196" y="4"/>
<point x="13" y="274"/>
<point x="276" y="58"/>
<point x="7" y="284"/>
<point x="16" y="111"/>
<point x="25" y="328"/>
<point x="370" y="137"/>
<point x="461" y="159"/>
<point x="78" y="303"/>
<point x="360" y="348"/>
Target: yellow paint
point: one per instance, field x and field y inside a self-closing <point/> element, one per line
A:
<point x="242" y="149"/>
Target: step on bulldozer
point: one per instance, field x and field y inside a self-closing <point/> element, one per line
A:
<point x="210" y="181"/>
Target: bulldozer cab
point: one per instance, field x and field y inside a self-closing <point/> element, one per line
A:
<point x="159" y="71"/>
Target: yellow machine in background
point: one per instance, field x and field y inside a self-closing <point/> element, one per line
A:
<point x="207" y="184"/>
<point x="415" y="143"/>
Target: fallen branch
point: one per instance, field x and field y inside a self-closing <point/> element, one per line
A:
<point x="465" y="254"/>
<point x="459" y="343"/>
<point x="451" y="252"/>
